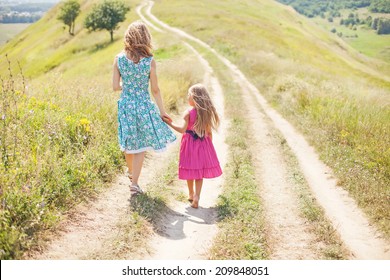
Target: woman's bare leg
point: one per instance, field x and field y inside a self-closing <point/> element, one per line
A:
<point x="138" y="160"/>
<point x="129" y="163"/>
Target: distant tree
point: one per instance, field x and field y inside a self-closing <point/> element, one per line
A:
<point x="375" y="24"/>
<point x="333" y="30"/>
<point x="380" y="6"/>
<point x="68" y="14"/>
<point x="383" y="26"/>
<point x="106" y="16"/>
<point x="369" y="21"/>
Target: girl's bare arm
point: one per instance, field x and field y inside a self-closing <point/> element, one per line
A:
<point x="181" y="128"/>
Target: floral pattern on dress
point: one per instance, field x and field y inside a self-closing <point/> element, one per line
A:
<point x="140" y="126"/>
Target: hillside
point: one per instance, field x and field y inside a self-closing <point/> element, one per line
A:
<point x="331" y="93"/>
<point x="46" y="45"/>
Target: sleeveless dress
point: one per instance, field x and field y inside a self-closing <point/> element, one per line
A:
<point x="198" y="158"/>
<point x="140" y="127"/>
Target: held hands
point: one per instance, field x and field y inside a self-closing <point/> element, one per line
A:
<point x="166" y="118"/>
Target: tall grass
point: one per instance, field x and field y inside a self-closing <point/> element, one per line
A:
<point x="54" y="155"/>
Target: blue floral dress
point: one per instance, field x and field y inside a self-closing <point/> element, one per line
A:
<point x="140" y="126"/>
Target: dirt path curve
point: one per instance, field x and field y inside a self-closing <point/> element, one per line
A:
<point x="188" y="233"/>
<point x="361" y="238"/>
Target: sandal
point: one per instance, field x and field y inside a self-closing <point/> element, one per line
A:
<point x="135" y="190"/>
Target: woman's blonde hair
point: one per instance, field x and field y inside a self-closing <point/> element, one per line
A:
<point x="207" y="116"/>
<point x="138" y="42"/>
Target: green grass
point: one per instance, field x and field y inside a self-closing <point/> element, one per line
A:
<point x="58" y="134"/>
<point x="336" y="97"/>
<point x="8" y="31"/>
<point x="368" y="42"/>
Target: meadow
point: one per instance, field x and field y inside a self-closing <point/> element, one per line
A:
<point x="362" y="38"/>
<point x="58" y="126"/>
<point x="337" y="98"/>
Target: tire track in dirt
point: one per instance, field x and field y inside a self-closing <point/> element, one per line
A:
<point x="361" y="238"/>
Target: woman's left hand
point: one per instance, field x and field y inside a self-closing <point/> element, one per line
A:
<point x="166" y="118"/>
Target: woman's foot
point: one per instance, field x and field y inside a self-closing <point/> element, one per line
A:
<point x="191" y="197"/>
<point x="135" y="190"/>
<point x="195" y="202"/>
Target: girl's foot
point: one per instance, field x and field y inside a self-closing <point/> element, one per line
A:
<point x="195" y="202"/>
<point x="191" y="198"/>
<point x="135" y="190"/>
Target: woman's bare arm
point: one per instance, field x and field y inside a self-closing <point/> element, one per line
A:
<point x="116" y="76"/>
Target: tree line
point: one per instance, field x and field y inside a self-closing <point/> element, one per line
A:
<point x="312" y="8"/>
<point x="330" y="9"/>
<point x="381" y="25"/>
<point x="104" y="16"/>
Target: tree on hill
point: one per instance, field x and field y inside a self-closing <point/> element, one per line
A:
<point x="68" y="14"/>
<point x="106" y="16"/>
<point x="380" y="6"/>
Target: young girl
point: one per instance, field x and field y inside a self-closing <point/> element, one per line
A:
<point x="198" y="158"/>
<point x="140" y="123"/>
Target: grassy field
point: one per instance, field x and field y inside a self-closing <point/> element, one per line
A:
<point x="9" y="31"/>
<point x="58" y="126"/>
<point x="363" y="39"/>
<point x="336" y="97"/>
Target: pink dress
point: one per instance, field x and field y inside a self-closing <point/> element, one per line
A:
<point x="198" y="158"/>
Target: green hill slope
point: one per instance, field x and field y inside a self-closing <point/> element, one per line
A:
<point x="329" y="91"/>
<point x="338" y="98"/>
<point x="248" y="27"/>
<point x="46" y="45"/>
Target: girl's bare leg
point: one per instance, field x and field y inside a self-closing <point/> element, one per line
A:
<point x="138" y="160"/>
<point x="198" y="189"/>
<point x="190" y="185"/>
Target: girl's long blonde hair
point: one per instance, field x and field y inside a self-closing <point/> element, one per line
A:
<point x="138" y="42"/>
<point x="207" y="116"/>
